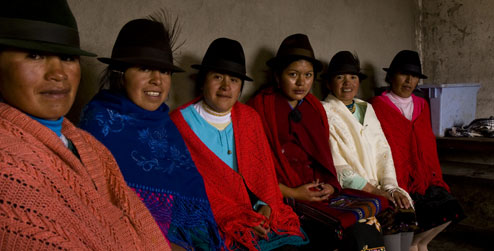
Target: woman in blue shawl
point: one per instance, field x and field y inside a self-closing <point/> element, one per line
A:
<point x="131" y="119"/>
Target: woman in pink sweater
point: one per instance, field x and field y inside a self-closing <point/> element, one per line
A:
<point x="60" y="189"/>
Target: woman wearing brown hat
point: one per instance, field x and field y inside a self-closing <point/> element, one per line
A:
<point x="361" y="154"/>
<point x="230" y="150"/>
<point x="297" y="130"/>
<point x="60" y="189"/>
<point x="131" y="119"/>
<point x="405" y="120"/>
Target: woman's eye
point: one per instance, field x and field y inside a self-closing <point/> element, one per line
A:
<point x="68" y="58"/>
<point x="235" y="80"/>
<point x="34" y="55"/>
<point x="292" y="74"/>
<point x="309" y="75"/>
<point x="144" y="69"/>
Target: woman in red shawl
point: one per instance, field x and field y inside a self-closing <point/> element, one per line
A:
<point x="229" y="147"/>
<point x="405" y="120"/>
<point x="298" y="132"/>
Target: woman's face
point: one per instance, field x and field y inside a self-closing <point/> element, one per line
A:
<point x="344" y="87"/>
<point x="147" y="88"/>
<point x="221" y="91"/>
<point x="403" y="84"/>
<point x="40" y="84"/>
<point x="296" y="80"/>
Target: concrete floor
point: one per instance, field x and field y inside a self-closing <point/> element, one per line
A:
<point x="461" y="237"/>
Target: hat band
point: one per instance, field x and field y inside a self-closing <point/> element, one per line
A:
<point x="409" y="68"/>
<point x="344" y="68"/>
<point x="221" y="64"/>
<point x="296" y="52"/>
<point x="15" y="28"/>
<point x="141" y="52"/>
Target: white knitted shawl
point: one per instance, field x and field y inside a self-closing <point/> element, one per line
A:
<point x="360" y="149"/>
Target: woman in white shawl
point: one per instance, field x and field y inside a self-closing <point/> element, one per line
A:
<point x="361" y="154"/>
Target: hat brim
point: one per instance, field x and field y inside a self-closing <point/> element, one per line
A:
<point x="276" y="61"/>
<point x="45" y="47"/>
<point x="420" y="75"/>
<point x="328" y="75"/>
<point x="152" y="63"/>
<point x="237" y="74"/>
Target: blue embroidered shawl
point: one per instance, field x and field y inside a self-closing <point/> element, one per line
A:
<point x="155" y="162"/>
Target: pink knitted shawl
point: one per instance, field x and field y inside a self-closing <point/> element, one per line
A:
<point x="51" y="200"/>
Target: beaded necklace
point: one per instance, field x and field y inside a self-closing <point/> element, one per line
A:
<point x="351" y="107"/>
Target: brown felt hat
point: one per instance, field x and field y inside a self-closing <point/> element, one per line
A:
<point x="143" y="42"/>
<point x="406" y="61"/>
<point x="45" y="26"/>
<point x="344" y="62"/>
<point x="225" y="55"/>
<point x="294" y="47"/>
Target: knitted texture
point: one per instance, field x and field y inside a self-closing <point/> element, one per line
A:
<point x="359" y="148"/>
<point x="225" y="188"/>
<point x="413" y="146"/>
<point x="51" y="200"/>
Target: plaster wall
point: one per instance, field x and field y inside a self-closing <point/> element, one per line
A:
<point x="376" y="30"/>
<point x="457" y="38"/>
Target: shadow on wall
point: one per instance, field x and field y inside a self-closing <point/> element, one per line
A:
<point x="91" y="72"/>
<point x="258" y="71"/>
<point x="368" y="86"/>
<point x="184" y="86"/>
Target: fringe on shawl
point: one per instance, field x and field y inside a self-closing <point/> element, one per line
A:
<point x="188" y="219"/>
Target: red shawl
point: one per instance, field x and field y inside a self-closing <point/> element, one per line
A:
<point x="413" y="146"/>
<point x="264" y="104"/>
<point x="225" y="188"/>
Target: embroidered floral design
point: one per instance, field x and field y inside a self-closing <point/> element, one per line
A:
<point x="160" y="149"/>
<point x="109" y="121"/>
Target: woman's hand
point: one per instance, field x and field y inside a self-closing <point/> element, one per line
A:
<point x="398" y="198"/>
<point x="263" y="229"/>
<point x="265" y="210"/>
<point x="374" y="190"/>
<point x="401" y="200"/>
<point x="314" y="191"/>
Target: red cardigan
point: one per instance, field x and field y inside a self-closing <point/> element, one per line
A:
<point x="226" y="189"/>
<point x="413" y="146"/>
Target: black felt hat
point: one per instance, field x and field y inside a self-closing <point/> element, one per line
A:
<point x="406" y="61"/>
<point x="344" y="62"/>
<point x="293" y="47"/>
<point x="46" y="26"/>
<point x="224" y="55"/>
<point x="142" y="42"/>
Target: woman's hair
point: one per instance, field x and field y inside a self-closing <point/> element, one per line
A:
<point x="113" y="79"/>
<point x="389" y="76"/>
